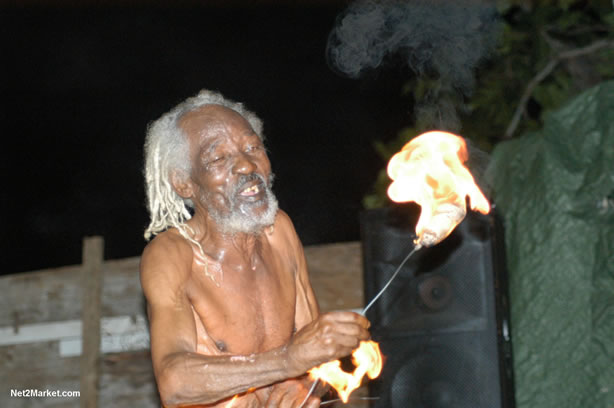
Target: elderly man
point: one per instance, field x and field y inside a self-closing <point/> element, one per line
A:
<point x="233" y="318"/>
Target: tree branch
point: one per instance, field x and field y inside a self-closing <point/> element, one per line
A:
<point x="543" y="74"/>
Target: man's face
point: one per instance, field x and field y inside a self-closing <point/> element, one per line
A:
<point x="231" y="172"/>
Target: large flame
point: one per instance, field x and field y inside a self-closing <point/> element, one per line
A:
<point x="429" y="171"/>
<point x="368" y="360"/>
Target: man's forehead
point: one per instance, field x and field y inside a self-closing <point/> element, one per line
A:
<point x="209" y="125"/>
<point x="209" y="117"/>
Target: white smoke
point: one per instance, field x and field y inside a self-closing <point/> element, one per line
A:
<point x="442" y="39"/>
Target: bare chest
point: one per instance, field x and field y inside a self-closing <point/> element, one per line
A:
<point x="251" y="311"/>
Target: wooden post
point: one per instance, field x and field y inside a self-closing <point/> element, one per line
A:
<point x="93" y="258"/>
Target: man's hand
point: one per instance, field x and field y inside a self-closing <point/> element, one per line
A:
<point x="291" y="394"/>
<point x="329" y="337"/>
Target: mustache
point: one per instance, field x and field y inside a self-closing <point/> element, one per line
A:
<point x="245" y="179"/>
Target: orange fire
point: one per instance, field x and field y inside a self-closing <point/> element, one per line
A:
<point x="429" y="171"/>
<point x="368" y="360"/>
<point x="232" y="401"/>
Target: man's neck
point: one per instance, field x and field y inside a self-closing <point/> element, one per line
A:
<point x="219" y="244"/>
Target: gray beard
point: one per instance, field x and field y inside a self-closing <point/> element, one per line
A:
<point x="240" y="218"/>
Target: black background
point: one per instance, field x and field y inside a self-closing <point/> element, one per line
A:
<point x="79" y="85"/>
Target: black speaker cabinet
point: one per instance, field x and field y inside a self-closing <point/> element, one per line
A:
<point x="442" y="324"/>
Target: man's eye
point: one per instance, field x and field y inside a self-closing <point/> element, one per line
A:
<point x="253" y="148"/>
<point x="215" y="160"/>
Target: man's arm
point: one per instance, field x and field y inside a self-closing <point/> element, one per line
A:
<point x="185" y="377"/>
<point x="291" y="393"/>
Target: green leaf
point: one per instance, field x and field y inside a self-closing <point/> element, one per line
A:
<point x="604" y="64"/>
<point x="551" y="94"/>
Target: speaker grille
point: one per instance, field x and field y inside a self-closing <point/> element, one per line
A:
<point x="437" y="323"/>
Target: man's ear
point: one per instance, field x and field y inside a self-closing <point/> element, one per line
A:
<point x="182" y="184"/>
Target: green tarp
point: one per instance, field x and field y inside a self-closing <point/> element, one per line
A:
<point x="555" y="189"/>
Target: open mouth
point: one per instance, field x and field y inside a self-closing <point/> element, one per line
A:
<point x="251" y="191"/>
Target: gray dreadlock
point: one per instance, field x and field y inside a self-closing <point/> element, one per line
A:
<point x="167" y="149"/>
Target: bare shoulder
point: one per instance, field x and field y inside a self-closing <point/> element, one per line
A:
<point x="285" y="240"/>
<point x="283" y="227"/>
<point x="165" y="264"/>
<point x="307" y="308"/>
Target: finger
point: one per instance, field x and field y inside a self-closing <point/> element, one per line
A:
<point x="300" y="400"/>
<point x="344" y="344"/>
<point x="350" y="329"/>
<point x="314" y="402"/>
<point x="287" y="398"/>
<point x="347" y="316"/>
<point x="276" y="397"/>
<point x="344" y="336"/>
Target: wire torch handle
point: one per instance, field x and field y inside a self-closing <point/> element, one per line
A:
<point x="394" y="275"/>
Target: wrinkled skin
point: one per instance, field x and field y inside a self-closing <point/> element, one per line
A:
<point x="251" y="327"/>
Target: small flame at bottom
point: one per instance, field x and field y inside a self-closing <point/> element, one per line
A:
<point x="368" y="360"/>
<point x="232" y="401"/>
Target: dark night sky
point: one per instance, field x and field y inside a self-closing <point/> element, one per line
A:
<point x="79" y="86"/>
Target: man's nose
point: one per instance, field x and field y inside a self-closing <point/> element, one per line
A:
<point x="244" y="164"/>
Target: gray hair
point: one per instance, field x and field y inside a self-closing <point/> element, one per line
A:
<point x="167" y="149"/>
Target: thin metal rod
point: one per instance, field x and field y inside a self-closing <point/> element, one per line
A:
<point x="358" y="398"/>
<point x="394" y="275"/>
<point x="313" y="387"/>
